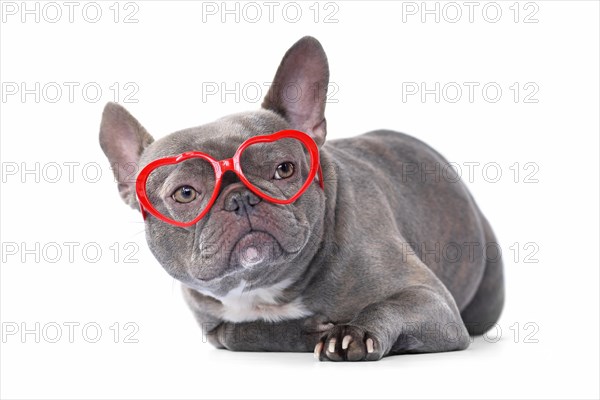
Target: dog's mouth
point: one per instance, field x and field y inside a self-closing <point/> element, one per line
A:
<point x="246" y="254"/>
<point x="250" y="247"/>
<point x="255" y="249"/>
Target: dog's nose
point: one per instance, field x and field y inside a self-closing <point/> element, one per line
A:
<point x="240" y="198"/>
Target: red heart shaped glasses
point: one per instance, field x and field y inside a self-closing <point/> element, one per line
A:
<point x="181" y="189"/>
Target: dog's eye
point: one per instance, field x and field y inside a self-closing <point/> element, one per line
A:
<point x="185" y="194"/>
<point x="284" y="170"/>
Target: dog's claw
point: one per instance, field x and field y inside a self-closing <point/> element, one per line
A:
<point x="331" y="348"/>
<point x="346" y="341"/>
<point x="369" y="343"/>
<point x="318" y="349"/>
<point x="349" y="343"/>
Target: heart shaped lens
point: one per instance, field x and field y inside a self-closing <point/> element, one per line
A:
<point x="277" y="169"/>
<point x="181" y="191"/>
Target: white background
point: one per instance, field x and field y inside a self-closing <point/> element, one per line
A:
<point x="172" y="53"/>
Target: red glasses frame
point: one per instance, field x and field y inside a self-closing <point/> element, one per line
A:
<point x="229" y="164"/>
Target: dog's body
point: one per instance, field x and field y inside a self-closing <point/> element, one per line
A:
<point x="392" y="257"/>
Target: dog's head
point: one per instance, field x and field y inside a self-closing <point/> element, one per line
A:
<point x="242" y="238"/>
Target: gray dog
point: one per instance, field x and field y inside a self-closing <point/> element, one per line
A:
<point x="381" y="254"/>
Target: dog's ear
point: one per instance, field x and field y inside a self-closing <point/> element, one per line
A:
<point x="123" y="140"/>
<point x="299" y="90"/>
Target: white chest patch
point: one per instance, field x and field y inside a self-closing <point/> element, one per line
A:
<point x="261" y="304"/>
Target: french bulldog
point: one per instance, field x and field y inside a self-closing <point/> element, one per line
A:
<point x="380" y="255"/>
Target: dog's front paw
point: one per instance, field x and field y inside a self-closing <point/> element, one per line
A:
<point x="348" y="343"/>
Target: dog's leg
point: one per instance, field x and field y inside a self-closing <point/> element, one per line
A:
<point x="484" y="310"/>
<point x="418" y="319"/>
<point x="288" y="336"/>
<point x="299" y="335"/>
